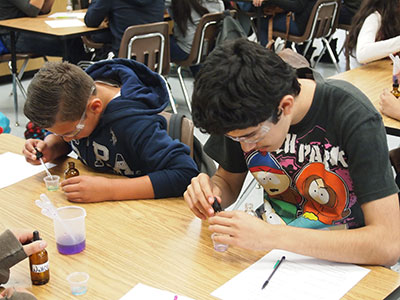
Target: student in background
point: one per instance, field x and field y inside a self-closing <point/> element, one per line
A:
<point x="110" y="117"/>
<point x="375" y="30"/>
<point x="301" y="11"/>
<point x="11" y="252"/>
<point x="318" y="148"/>
<point x="186" y="15"/>
<point x="347" y="10"/>
<point x="120" y="14"/>
<point x="33" y="43"/>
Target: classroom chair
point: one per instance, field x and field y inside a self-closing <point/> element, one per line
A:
<point x="6" y="58"/>
<point x="183" y="131"/>
<point x="203" y="43"/>
<point x="149" y="44"/>
<point x="321" y="25"/>
<point x="346" y="28"/>
<point x="181" y="128"/>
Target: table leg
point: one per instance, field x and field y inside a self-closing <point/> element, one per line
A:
<point x="14" y="74"/>
<point x="259" y="13"/>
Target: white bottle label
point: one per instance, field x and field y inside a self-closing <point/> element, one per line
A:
<point x="40" y="268"/>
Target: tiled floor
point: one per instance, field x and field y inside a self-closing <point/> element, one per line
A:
<point x="255" y="197"/>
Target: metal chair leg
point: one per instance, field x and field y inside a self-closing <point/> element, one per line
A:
<point x="184" y="90"/>
<point x="171" y="98"/>
<point x="331" y="54"/>
<point x="19" y="77"/>
<point x="14" y="87"/>
<point x="327" y="47"/>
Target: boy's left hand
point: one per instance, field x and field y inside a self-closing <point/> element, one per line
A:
<point x="87" y="189"/>
<point x="242" y="230"/>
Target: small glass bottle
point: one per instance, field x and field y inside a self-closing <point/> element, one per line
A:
<point x="39" y="264"/>
<point x="71" y="171"/>
<point x="248" y="208"/>
<point x="69" y="5"/>
<point x="395" y="90"/>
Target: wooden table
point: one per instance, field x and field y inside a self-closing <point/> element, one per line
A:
<point x="39" y="26"/>
<point x="371" y="79"/>
<point x="155" y="242"/>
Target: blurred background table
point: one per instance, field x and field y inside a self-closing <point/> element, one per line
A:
<point x="372" y="79"/>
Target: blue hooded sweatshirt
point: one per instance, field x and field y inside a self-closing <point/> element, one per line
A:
<point x="131" y="138"/>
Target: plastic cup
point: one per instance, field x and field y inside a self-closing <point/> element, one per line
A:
<point x="78" y="282"/>
<point x="218" y="246"/>
<point x="69" y="229"/>
<point x="52" y="182"/>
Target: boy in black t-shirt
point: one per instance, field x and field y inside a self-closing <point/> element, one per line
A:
<point x="318" y="148"/>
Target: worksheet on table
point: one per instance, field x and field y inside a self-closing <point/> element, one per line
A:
<point x="297" y="277"/>
<point x="142" y="291"/>
<point x="15" y="168"/>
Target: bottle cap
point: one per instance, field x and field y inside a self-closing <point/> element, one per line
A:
<point x="38" y="153"/>
<point x="216" y="206"/>
<point x="36" y="236"/>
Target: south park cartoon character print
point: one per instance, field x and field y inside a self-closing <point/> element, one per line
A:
<point x="314" y="198"/>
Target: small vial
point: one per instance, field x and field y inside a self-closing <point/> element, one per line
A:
<point x="71" y="171"/>
<point x="248" y="208"/>
<point x="395" y="90"/>
<point x="39" y="264"/>
<point x="69" y="6"/>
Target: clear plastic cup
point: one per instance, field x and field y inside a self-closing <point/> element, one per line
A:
<point x="69" y="229"/>
<point x="218" y="246"/>
<point x="78" y="282"/>
<point x="52" y="182"/>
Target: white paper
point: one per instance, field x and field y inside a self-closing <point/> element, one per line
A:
<point x="14" y="168"/>
<point x="65" y="23"/>
<point x="142" y="292"/>
<point x="65" y="15"/>
<point x="298" y="277"/>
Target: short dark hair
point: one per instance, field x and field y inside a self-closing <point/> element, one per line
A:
<point x="240" y="85"/>
<point x="59" y="91"/>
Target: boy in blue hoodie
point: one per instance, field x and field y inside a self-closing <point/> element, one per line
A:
<point x="109" y="117"/>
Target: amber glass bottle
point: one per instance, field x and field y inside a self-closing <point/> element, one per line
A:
<point x="71" y="171"/>
<point x="395" y="90"/>
<point x="39" y="264"/>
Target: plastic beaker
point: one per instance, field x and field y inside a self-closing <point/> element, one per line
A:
<point x="69" y="229"/>
<point x="78" y="282"/>
<point x="52" y="182"/>
<point x="217" y="245"/>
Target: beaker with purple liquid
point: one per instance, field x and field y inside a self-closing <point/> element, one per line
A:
<point x="69" y="229"/>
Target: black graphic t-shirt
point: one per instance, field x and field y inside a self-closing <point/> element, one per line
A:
<point x="330" y="163"/>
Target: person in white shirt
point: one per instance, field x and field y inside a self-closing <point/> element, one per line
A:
<point x="375" y="31"/>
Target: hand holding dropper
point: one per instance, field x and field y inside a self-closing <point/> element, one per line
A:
<point x="39" y="156"/>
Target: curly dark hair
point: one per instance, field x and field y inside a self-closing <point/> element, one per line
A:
<point x="59" y="91"/>
<point x="239" y="86"/>
<point x="390" y="26"/>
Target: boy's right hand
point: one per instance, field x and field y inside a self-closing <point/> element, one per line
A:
<point x="200" y="194"/>
<point x="29" y="151"/>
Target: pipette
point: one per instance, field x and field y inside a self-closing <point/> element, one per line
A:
<point x="39" y="156"/>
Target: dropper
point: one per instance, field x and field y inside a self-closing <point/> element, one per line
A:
<point x="39" y="156"/>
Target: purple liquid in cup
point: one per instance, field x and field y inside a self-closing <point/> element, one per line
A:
<point x="64" y="246"/>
